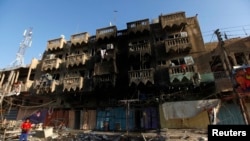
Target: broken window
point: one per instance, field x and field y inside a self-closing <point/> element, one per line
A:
<point x="161" y="62"/>
<point x="56" y="76"/>
<point x="216" y="64"/>
<point x="183" y="34"/>
<point x="188" y="60"/>
<point x="240" y="58"/>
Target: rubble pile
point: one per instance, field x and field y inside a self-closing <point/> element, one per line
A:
<point x="11" y="132"/>
<point x="104" y="137"/>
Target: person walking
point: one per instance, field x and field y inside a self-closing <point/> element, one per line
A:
<point x="26" y="126"/>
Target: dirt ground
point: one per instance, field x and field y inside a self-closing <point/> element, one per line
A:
<point x="163" y="135"/>
<point x="185" y="134"/>
<point x="174" y="135"/>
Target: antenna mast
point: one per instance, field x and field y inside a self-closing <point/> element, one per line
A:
<point x="26" y="42"/>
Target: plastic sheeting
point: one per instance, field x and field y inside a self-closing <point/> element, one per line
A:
<point x="187" y="109"/>
<point x="57" y="117"/>
<point x="36" y="115"/>
<point x="230" y="113"/>
<point x="200" y="121"/>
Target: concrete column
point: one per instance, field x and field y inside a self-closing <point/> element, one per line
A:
<point x="17" y="76"/>
<point x="11" y="78"/>
<point x="2" y="78"/>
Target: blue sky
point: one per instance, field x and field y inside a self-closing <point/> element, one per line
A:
<point x="52" y="18"/>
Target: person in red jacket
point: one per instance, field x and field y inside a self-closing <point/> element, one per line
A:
<point x="26" y="126"/>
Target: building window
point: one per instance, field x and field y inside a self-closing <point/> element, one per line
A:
<point x="216" y="64"/>
<point x="240" y="58"/>
<point x="188" y="60"/>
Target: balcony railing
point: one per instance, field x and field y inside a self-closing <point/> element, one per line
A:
<point x="140" y="48"/>
<point x="177" y="43"/>
<point x="72" y="83"/>
<point x="76" y="59"/>
<point x="140" y="25"/>
<point x="180" y="73"/>
<point x="173" y="19"/>
<point x="79" y="38"/>
<point x="143" y="76"/>
<point x="121" y="33"/>
<point x="56" y="44"/>
<point x="51" y="64"/>
<point x="45" y="86"/>
<point x="106" y="32"/>
<point x="179" y="69"/>
<point x="104" y="79"/>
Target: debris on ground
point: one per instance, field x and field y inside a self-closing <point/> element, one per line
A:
<point x="11" y="132"/>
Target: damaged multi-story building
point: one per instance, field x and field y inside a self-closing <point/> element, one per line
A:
<point x="153" y="74"/>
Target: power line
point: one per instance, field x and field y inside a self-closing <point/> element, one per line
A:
<point x="235" y="26"/>
<point x="222" y="28"/>
<point x="235" y="31"/>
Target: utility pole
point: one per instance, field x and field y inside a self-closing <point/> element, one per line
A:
<point x="229" y="71"/>
<point x="221" y="45"/>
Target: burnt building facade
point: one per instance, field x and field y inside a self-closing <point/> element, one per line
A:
<point x="120" y="78"/>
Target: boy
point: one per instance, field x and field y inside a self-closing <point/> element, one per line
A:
<point x="26" y="126"/>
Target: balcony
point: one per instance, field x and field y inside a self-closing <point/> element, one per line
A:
<point x="56" y="44"/>
<point x="26" y="86"/>
<point x="107" y="32"/>
<point x="105" y="79"/>
<point x="104" y="68"/>
<point x="173" y="19"/>
<point x="178" y="74"/>
<point x="76" y="60"/>
<point x="51" y="64"/>
<point x="143" y="76"/>
<point x="138" y="26"/>
<point x="72" y="82"/>
<point x="121" y="33"/>
<point x="105" y="72"/>
<point x="140" y="48"/>
<point x="178" y="44"/>
<point x="45" y="86"/>
<point x="79" y="38"/>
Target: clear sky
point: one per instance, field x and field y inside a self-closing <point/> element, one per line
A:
<point x="52" y="18"/>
